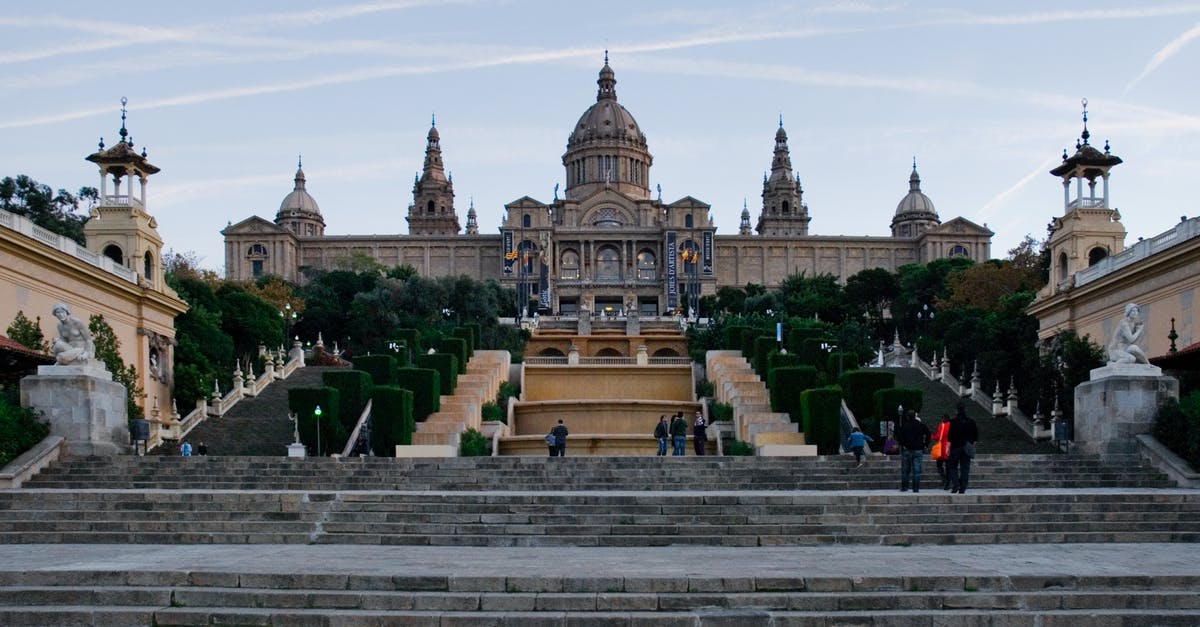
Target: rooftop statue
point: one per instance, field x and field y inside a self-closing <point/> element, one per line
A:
<point x="74" y="343"/>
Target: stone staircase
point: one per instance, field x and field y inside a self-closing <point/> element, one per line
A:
<point x="996" y="435"/>
<point x="191" y="596"/>
<point x="257" y="425"/>
<point x="736" y="384"/>
<point x="460" y="411"/>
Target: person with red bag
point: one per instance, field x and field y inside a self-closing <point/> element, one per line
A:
<point x="940" y="451"/>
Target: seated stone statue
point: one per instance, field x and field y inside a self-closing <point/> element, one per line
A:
<point x="1123" y="348"/>
<point x="74" y="343"/>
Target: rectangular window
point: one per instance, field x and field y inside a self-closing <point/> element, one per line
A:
<point x="256" y="267"/>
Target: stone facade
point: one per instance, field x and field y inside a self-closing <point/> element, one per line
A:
<point x="609" y="242"/>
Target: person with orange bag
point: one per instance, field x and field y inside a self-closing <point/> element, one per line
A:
<point x="940" y="451"/>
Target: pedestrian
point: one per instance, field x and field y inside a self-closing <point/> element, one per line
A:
<point x="913" y="437"/>
<point x="963" y="435"/>
<point x="202" y="450"/>
<point x="679" y="428"/>
<point x="185" y="449"/>
<point x="661" y="433"/>
<point x="550" y="443"/>
<point x="699" y="433"/>
<point x="560" y="438"/>
<point x="858" y="440"/>
<point x="940" y="451"/>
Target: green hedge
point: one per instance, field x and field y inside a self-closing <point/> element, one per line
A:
<point x="412" y="339"/>
<point x="447" y="366"/>
<point x="841" y="361"/>
<point x="303" y="402"/>
<point x="382" y="368"/>
<point x="458" y="347"/>
<point x="490" y="411"/>
<point x="465" y="334"/>
<point x="391" y="419"/>
<point x="473" y="444"/>
<point x="821" y="410"/>
<point x="764" y="345"/>
<point x="811" y="352"/>
<point x="476" y="335"/>
<point x="426" y="387"/>
<point x="354" y="388"/>
<point x="858" y="388"/>
<point x="749" y="335"/>
<point x="781" y="360"/>
<point x="796" y="338"/>
<point x="1177" y="426"/>
<point x="787" y="384"/>
<point x="732" y="339"/>
<point x="20" y="429"/>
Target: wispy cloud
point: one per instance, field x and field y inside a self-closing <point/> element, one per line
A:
<point x="1164" y="54"/>
<point x="1038" y="172"/>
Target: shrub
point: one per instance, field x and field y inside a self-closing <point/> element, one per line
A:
<point x="732" y="339"/>
<point x="382" y="368"/>
<point x="458" y="347"/>
<point x="411" y="339"/>
<point x="476" y="335"/>
<point x="885" y="402"/>
<point x="303" y="402"/>
<point x="492" y="411"/>
<point x="820" y="411"/>
<point x="447" y="366"/>
<point x="858" y="388"/>
<point x="425" y="384"/>
<point x="839" y="362"/>
<point x="796" y="338"/>
<point x="20" y="429"/>
<point x="473" y="444"/>
<point x="777" y="359"/>
<point x="720" y="412"/>
<point x="466" y="335"/>
<point x="739" y="448"/>
<point x="354" y="388"/>
<point x="787" y="384"/>
<point x="811" y="352"/>
<point x="704" y="389"/>
<point x="391" y="419"/>
<point x="747" y="346"/>
<point x="764" y="345"/>
<point x="1177" y="426"/>
<point x="507" y="390"/>
<point x="108" y="350"/>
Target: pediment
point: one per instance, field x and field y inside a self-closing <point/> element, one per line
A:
<point x="960" y="226"/>
<point x="254" y="225"/>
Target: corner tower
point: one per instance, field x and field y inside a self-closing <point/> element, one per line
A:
<point x="432" y="210"/>
<point x="607" y="148"/>
<point x="120" y="227"/>
<point x="1089" y="229"/>
<point x="783" y="210"/>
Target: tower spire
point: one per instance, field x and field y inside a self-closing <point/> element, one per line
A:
<point x="1085" y="134"/>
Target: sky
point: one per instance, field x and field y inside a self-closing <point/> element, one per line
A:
<point x="227" y="96"/>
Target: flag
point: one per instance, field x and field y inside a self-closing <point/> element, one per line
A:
<point x="510" y="255"/>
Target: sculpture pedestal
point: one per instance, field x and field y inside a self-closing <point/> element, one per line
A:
<point x="84" y="406"/>
<point x="296" y="450"/>
<point x="1118" y="403"/>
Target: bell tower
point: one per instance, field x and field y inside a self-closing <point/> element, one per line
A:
<point x="432" y="209"/>
<point x="1090" y="228"/>
<point x="120" y="226"/>
<point x="783" y="210"/>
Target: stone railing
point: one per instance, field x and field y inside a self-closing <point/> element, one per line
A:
<point x="1184" y="231"/>
<point x="26" y="227"/>
<point x="998" y="404"/>
<point x="363" y="419"/>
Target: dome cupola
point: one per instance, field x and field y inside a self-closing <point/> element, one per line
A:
<point x="299" y="212"/>
<point x="915" y="213"/>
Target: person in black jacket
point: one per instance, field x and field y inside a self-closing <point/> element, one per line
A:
<point x="661" y="433"/>
<point x="699" y="433"/>
<point x="963" y="435"/>
<point x="913" y="437"/>
<point x="679" y="428"/>
<point x="560" y="438"/>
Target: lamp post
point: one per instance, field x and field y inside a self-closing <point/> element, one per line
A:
<point x="317" y="416"/>
<point x="289" y="318"/>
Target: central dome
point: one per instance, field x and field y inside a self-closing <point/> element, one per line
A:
<point x="606" y="148"/>
<point x="607" y="119"/>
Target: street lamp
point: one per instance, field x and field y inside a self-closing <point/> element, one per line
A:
<point x="289" y="318"/>
<point x="317" y="416"/>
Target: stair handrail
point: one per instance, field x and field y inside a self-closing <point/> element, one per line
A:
<point x="846" y="423"/>
<point x="363" y="419"/>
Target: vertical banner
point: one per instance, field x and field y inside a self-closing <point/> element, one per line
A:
<point x="510" y="255"/>
<point x="672" y="276"/>
<point x="544" y="287"/>
<point x="708" y="253"/>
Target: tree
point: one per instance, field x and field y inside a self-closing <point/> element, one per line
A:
<point x="108" y="351"/>
<point x="248" y="320"/>
<point x="27" y="333"/>
<point x="984" y="285"/>
<point x="53" y="211"/>
<point x="872" y="291"/>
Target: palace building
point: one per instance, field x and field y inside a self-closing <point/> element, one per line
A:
<point x="608" y="242"/>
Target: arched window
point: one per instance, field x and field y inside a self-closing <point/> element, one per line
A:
<point x="647" y="268"/>
<point x="958" y="250"/>
<point x="1062" y="266"/>
<point x="665" y="352"/>
<point x="148" y="266"/>
<point x="526" y="221"/>
<point x="112" y="251"/>
<point x="786" y="207"/>
<point x="429" y="207"/>
<point x="551" y="352"/>
<point x="1096" y="254"/>
<point x="257" y="250"/>
<point x="568" y="267"/>
<point x="608" y="264"/>
<point x="608" y="352"/>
